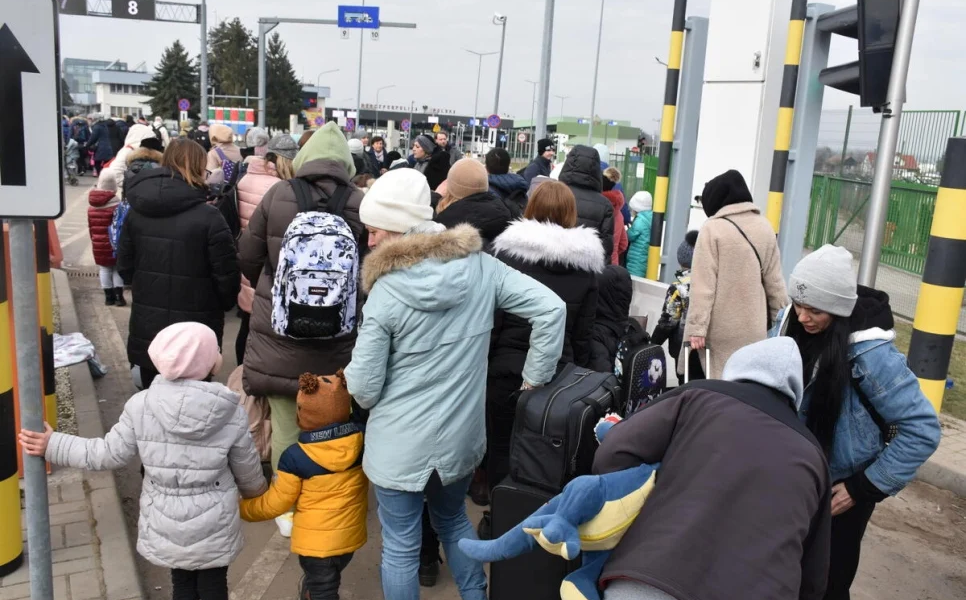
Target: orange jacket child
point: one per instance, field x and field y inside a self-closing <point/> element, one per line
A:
<point x="321" y="476"/>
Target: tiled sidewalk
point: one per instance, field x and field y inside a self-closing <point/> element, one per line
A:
<point x="947" y="467"/>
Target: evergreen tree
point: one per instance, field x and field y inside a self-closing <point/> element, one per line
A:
<point x="175" y="78"/>
<point x="284" y="95"/>
<point x="233" y="62"/>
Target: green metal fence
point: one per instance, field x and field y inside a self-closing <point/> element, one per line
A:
<point x="837" y="216"/>
<point x="638" y="172"/>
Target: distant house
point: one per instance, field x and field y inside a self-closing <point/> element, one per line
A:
<point x="905" y="166"/>
<point x="834" y="162"/>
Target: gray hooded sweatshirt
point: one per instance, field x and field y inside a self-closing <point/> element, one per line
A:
<point x="741" y="505"/>
<point x="193" y="440"/>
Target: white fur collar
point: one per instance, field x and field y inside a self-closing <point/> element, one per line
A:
<point x="871" y="335"/>
<point x="534" y="242"/>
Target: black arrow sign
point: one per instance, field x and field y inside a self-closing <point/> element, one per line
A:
<point x="13" y="155"/>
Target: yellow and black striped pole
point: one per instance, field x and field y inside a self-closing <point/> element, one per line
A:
<point x="668" y="117"/>
<point x="11" y="544"/>
<point x="46" y="318"/>
<point x="941" y="290"/>
<point x="786" y="113"/>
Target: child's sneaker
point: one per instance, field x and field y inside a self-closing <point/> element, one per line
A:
<point x="285" y="523"/>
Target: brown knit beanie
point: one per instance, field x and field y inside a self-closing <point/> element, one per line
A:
<point x="467" y="177"/>
<point x="322" y="401"/>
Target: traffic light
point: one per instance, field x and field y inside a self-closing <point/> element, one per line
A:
<point x="874" y="23"/>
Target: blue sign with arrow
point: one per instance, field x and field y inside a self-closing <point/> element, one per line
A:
<point x="359" y="17"/>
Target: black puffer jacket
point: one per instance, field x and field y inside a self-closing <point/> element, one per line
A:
<point x="488" y="213"/>
<point x="566" y="261"/>
<point x="178" y="254"/>
<point x="614" y="291"/>
<point x="436" y="168"/>
<point x="581" y="171"/>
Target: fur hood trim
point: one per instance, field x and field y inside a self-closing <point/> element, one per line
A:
<point x="145" y="154"/>
<point x="409" y="250"/>
<point x="536" y="242"/>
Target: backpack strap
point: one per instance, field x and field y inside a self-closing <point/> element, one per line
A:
<point x="336" y="204"/>
<point x="303" y="194"/>
<point x="224" y="158"/>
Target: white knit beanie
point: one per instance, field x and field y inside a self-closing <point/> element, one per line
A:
<point x="397" y="201"/>
<point x="641" y="202"/>
<point x="356" y="147"/>
<point x="824" y="280"/>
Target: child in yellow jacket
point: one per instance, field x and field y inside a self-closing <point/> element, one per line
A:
<point x="321" y="476"/>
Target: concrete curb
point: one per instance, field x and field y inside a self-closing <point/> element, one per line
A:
<point x="120" y="575"/>
<point x="945" y="469"/>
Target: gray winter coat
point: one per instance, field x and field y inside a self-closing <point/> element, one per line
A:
<point x="193" y="440"/>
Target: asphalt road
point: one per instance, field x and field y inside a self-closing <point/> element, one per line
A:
<point x="915" y="547"/>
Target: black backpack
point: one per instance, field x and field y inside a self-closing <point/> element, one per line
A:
<point x="553" y="432"/>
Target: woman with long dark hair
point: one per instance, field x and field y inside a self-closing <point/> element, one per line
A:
<point x="859" y="394"/>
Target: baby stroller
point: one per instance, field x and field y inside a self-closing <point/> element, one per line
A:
<point x="71" y="155"/>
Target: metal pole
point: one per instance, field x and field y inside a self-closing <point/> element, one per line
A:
<point x="499" y="68"/>
<point x="409" y="134"/>
<point x="533" y="104"/>
<point x="203" y="104"/>
<point x="845" y="141"/>
<point x="359" y="81"/>
<point x="886" y="152"/>
<point x="668" y="116"/>
<point x="476" y="112"/>
<point x="26" y="327"/>
<point x="262" y="32"/>
<point x="593" y="94"/>
<point x="545" y="53"/>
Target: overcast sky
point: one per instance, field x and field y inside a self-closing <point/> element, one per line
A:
<point x="429" y="65"/>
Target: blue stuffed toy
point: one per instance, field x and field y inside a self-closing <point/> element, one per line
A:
<point x="590" y="515"/>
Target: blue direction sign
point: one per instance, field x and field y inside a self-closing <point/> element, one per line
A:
<point x="184" y="104"/>
<point x="405" y="125"/>
<point x="472" y="122"/>
<point x="359" y="17"/>
<point x="493" y="121"/>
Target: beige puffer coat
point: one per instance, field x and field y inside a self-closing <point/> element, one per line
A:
<point x="730" y="298"/>
<point x="273" y="363"/>
<point x="193" y="440"/>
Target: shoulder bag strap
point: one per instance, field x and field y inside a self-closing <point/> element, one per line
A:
<point x="761" y="266"/>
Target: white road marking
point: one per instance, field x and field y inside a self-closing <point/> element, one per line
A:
<point x="260" y="575"/>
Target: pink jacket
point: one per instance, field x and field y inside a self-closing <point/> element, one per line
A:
<point x="261" y="176"/>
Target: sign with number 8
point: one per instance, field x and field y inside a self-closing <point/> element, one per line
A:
<point x="133" y="9"/>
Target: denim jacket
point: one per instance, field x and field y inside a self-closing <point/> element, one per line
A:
<point x="880" y="370"/>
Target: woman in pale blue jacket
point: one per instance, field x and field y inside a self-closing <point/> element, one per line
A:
<point x="420" y="364"/>
<point x="860" y="393"/>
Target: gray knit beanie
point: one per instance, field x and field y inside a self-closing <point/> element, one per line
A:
<point x="426" y="143"/>
<point x="686" y="249"/>
<point x="824" y="280"/>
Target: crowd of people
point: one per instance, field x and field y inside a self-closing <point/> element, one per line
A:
<point x="393" y="307"/>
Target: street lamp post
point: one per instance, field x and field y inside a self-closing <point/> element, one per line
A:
<point x="318" y="79"/>
<point x="385" y="87"/>
<point x="476" y="103"/>
<point x="203" y="20"/>
<point x="593" y="94"/>
<point x="562" y="98"/>
<point x="499" y="19"/>
<point x="533" y="104"/>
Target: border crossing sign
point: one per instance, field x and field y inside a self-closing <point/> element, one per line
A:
<point x="30" y="166"/>
<point x="359" y="17"/>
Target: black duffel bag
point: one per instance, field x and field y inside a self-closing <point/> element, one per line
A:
<point x="553" y="432"/>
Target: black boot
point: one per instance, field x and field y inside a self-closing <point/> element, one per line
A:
<point x="119" y="297"/>
<point x="110" y="298"/>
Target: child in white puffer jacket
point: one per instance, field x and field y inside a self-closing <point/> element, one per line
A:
<point x="192" y="437"/>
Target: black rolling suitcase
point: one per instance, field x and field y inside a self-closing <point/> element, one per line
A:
<point x="533" y="576"/>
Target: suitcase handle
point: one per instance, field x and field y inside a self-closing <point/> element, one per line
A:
<point x="687" y="359"/>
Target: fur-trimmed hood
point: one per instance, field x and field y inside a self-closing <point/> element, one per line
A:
<point x="550" y="244"/>
<point x="426" y="275"/>
<point x="146" y="155"/>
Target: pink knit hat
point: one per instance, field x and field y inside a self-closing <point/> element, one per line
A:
<point x="185" y="351"/>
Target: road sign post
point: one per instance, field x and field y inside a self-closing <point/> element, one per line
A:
<point x="30" y="188"/>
